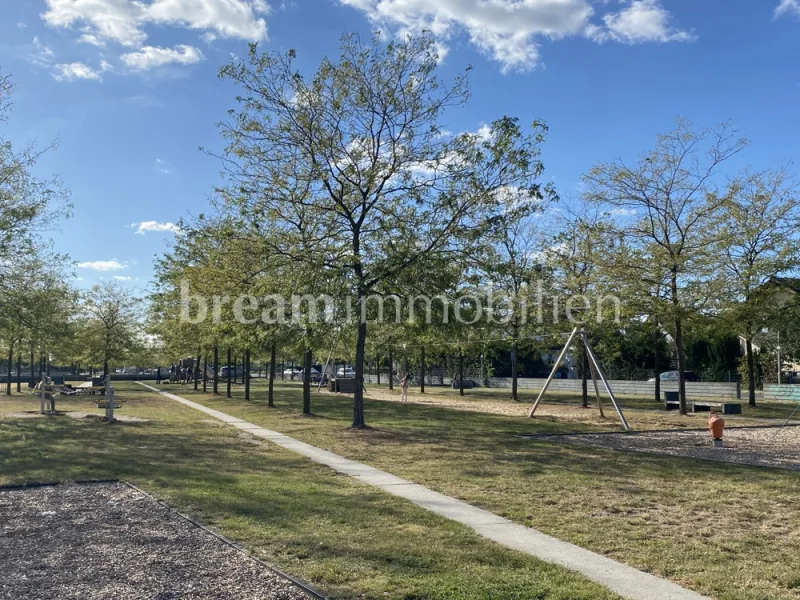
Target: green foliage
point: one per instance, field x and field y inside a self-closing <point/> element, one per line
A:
<point x="110" y="328"/>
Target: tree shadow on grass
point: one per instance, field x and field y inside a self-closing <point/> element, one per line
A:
<point x="328" y="528"/>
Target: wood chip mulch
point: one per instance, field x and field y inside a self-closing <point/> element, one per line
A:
<point x="108" y="541"/>
<point x="759" y="446"/>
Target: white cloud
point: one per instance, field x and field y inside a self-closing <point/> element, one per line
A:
<point x="92" y="40"/>
<point x="42" y="55"/>
<point x="21" y="25"/>
<point x="122" y="278"/>
<point x="484" y="133"/>
<point x="76" y="70"/>
<point x="117" y="20"/>
<point x="154" y="226"/>
<point x="151" y="57"/>
<point x="788" y="7"/>
<point x="641" y="21"/>
<point x="510" y="31"/>
<point x="162" y="167"/>
<point x="124" y="21"/>
<point x="102" y="265"/>
<point x="624" y="212"/>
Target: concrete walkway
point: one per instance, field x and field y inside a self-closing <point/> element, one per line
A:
<point x="622" y="579"/>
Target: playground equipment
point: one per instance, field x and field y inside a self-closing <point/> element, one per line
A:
<point x="595" y="369"/>
<point x="47" y="390"/>
<point x="716" y="425"/>
<point x="109" y="403"/>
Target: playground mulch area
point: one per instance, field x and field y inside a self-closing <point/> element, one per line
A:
<point x="557" y="411"/>
<point x="109" y="541"/>
<point x="777" y="447"/>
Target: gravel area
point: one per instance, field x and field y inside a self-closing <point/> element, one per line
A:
<point x="759" y="446"/>
<point x="109" y="541"/>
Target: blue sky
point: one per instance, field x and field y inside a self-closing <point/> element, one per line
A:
<point x="130" y="89"/>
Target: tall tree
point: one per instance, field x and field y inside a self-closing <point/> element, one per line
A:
<point x="29" y="205"/>
<point x="361" y="146"/>
<point x="758" y="242"/>
<point x="112" y="325"/>
<point x="672" y="199"/>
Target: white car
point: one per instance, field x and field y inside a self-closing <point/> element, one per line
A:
<point x="346" y="372"/>
<point x="291" y="372"/>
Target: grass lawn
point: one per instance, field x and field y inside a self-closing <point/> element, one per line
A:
<point x="727" y="531"/>
<point x="348" y="539"/>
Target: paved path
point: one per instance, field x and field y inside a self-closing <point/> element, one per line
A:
<point x="622" y="579"/>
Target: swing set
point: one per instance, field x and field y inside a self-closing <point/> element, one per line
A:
<point x="594" y="368"/>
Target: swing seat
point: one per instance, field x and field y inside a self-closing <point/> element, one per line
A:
<point x="104" y="403"/>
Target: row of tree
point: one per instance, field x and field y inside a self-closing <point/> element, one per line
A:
<point x="346" y="183"/>
<point x="42" y="317"/>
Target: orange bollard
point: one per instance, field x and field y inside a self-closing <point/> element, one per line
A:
<point x="716" y="425"/>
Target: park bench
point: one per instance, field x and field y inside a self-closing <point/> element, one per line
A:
<point x="342" y="385"/>
<point x="726" y="408"/>
<point x="468" y="384"/>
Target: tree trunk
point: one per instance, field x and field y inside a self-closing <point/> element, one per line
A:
<point x="235" y="369"/>
<point x="656" y="366"/>
<point x="205" y="373"/>
<point x="751" y="370"/>
<point x="514" y="370"/>
<point x="391" y="369"/>
<point x="307" y="359"/>
<point x="216" y="369"/>
<point x="197" y="370"/>
<point x="33" y="369"/>
<point x="271" y="390"/>
<point x="679" y="343"/>
<point x="19" y="372"/>
<point x="105" y="368"/>
<point x="228" y="391"/>
<point x="358" y="397"/>
<point x="681" y="364"/>
<point x="422" y="369"/>
<point x="246" y="374"/>
<point x="378" y="369"/>
<point x="584" y="377"/>
<point x="10" y="364"/>
<point x="461" y="372"/>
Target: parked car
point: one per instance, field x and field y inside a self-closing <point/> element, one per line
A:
<point x="673" y="376"/>
<point x="314" y="374"/>
<point x="291" y="372"/>
<point x="346" y="372"/>
<point x="223" y="372"/>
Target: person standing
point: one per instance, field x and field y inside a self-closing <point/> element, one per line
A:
<point x="404" y="388"/>
<point x="158" y="376"/>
